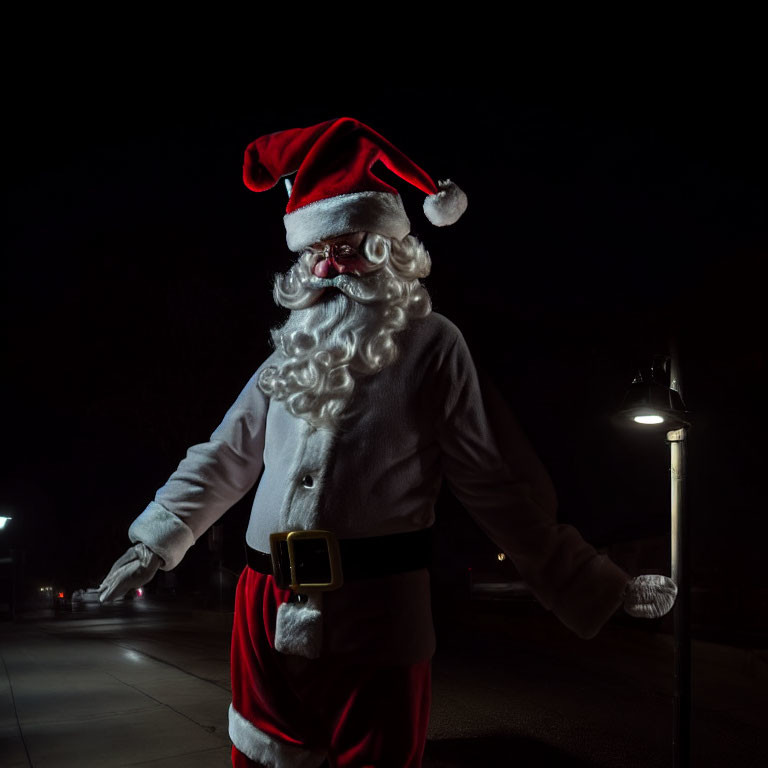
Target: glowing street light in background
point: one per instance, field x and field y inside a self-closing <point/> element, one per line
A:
<point x="653" y="398"/>
<point x="651" y="418"/>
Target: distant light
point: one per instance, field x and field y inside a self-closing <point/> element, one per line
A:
<point x="61" y="594"/>
<point x="501" y="557"/>
<point x="649" y="419"/>
<point x="139" y="592"/>
<point x="3" y="521"/>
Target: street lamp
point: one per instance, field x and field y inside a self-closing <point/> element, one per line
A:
<point x="7" y="560"/>
<point x="654" y="401"/>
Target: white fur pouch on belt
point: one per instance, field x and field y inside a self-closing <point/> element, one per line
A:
<point x="299" y="627"/>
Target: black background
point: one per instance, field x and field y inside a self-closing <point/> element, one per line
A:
<point x="136" y="296"/>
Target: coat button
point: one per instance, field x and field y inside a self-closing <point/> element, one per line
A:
<point x="307" y="481"/>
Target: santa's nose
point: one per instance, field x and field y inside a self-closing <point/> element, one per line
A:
<point x="331" y="267"/>
<point x="321" y="268"/>
<point x="324" y="268"/>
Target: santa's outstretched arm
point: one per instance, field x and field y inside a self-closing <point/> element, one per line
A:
<point x="208" y="481"/>
<point x="494" y="471"/>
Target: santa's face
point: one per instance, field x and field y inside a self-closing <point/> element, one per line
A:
<point x="340" y="256"/>
<point x="349" y="296"/>
<point x="356" y="265"/>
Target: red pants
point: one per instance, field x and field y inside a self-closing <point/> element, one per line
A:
<point x="293" y="712"/>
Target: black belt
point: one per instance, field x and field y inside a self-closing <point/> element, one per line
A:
<point x="359" y="558"/>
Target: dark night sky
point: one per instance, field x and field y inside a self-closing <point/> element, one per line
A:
<point x="136" y="296"/>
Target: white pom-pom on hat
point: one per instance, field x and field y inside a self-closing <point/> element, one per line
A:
<point x="447" y="206"/>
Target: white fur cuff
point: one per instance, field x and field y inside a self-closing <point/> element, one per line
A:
<point x="299" y="628"/>
<point x="164" y="533"/>
<point x="650" y="596"/>
<point x="265" y="749"/>
<point x="447" y="206"/>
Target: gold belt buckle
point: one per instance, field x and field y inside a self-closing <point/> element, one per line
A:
<point x="334" y="559"/>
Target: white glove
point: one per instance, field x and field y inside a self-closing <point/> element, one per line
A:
<point x="136" y="567"/>
<point x="650" y="596"/>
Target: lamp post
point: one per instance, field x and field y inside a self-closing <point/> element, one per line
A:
<point x="654" y="401"/>
<point x="7" y="561"/>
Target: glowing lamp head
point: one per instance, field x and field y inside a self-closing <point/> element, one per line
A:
<point x="651" y="402"/>
<point x="650" y="418"/>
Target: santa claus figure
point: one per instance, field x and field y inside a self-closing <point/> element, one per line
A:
<point x="367" y="403"/>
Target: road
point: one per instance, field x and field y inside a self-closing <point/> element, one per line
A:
<point x="146" y="684"/>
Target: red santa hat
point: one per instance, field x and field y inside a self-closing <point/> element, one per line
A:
<point x="335" y="191"/>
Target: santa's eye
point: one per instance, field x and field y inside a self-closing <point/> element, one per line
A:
<point x="343" y="252"/>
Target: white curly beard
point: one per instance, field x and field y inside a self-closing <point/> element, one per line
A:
<point x="343" y="328"/>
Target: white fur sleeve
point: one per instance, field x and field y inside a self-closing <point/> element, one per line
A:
<point x="163" y="532"/>
<point x="208" y="481"/>
<point x="495" y="473"/>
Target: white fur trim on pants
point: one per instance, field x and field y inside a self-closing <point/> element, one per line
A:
<point x="265" y="749"/>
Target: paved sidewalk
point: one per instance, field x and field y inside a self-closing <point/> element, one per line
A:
<point x="511" y="687"/>
<point x="85" y="702"/>
<point x="515" y="687"/>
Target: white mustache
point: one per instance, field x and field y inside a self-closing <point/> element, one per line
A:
<point x="299" y="291"/>
<point x="366" y="290"/>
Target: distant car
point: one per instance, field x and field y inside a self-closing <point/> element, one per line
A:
<point x="85" y="597"/>
<point x="495" y="577"/>
<point x="62" y="599"/>
<point x="89" y="598"/>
